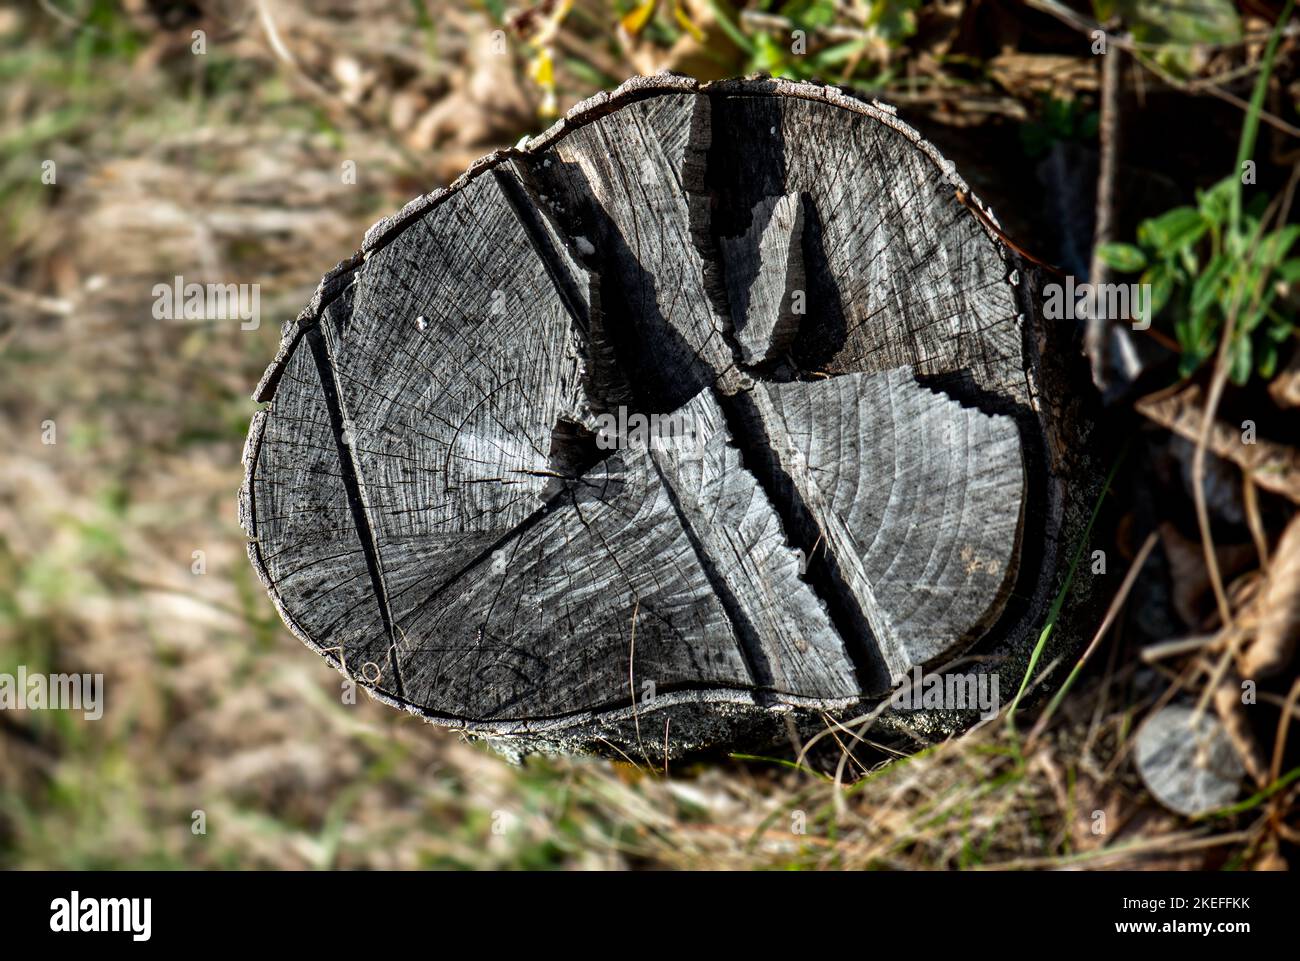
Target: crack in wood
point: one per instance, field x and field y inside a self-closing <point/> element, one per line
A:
<point x="351" y="482"/>
<point x="821" y="571"/>
<point x="751" y="649"/>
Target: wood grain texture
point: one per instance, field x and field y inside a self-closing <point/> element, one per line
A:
<point x="308" y="549"/>
<point x="911" y="278"/>
<point x="917" y="499"/>
<point x="767" y="296"/>
<point x="868" y="479"/>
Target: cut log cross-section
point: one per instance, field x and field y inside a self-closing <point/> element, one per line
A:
<point x="713" y="408"/>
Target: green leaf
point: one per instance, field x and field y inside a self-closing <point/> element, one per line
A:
<point x="1278" y="244"/>
<point x="1188" y="363"/>
<point x="811" y="13"/>
<point x="769" y="56"/>
<point x="1160" y="277"/>
<point x="838" y="54"/>
<point x="1280" y="330"/>
<point x="1174" y="27"/>
<point x="1241" y="360"/>
<point x="1289" y="270"/>
<point x="1200" y="335"/>
<point x="1205" y="291"/>
<point x="1268" y="360"/>
<point x="894" y="20"/>
<point x="1123" y="257"/>
<point x="1215" y="203"/>
<point x="1250" y="321"/>
<point x="1172" y="231"/>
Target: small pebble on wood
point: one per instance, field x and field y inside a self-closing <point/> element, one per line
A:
<point x="875" y="461"/>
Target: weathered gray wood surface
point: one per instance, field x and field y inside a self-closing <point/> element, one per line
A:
<point x="871" y="478"/>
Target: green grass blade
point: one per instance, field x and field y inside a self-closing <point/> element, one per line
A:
<point x="1250" y="129"/>
<point x="1055" y="611"/>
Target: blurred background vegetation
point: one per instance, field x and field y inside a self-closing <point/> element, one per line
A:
<point x="213" y="140"/>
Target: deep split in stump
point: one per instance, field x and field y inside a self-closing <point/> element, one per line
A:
<point x="876" y="459"/>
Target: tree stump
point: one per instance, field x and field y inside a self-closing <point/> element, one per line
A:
<point x="463" y="496"/>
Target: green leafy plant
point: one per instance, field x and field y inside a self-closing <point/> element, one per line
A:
<point x="1200" y="267"/>
<point x="1215" y="260"/>
<point x="1174" y="31"/>
<point x="887" y="22"/>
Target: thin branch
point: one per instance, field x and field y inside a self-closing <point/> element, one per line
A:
<point x="1089" y="26"/>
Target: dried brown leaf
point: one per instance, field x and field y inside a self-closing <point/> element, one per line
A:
<point x="1277" y="610"/>
<point x="1273" y="466"/>
<point x="1271" y="860"/>
<point x="1285" y="387"/>
<point x="488" y="106"/>
<point x="1231" y="711"/>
